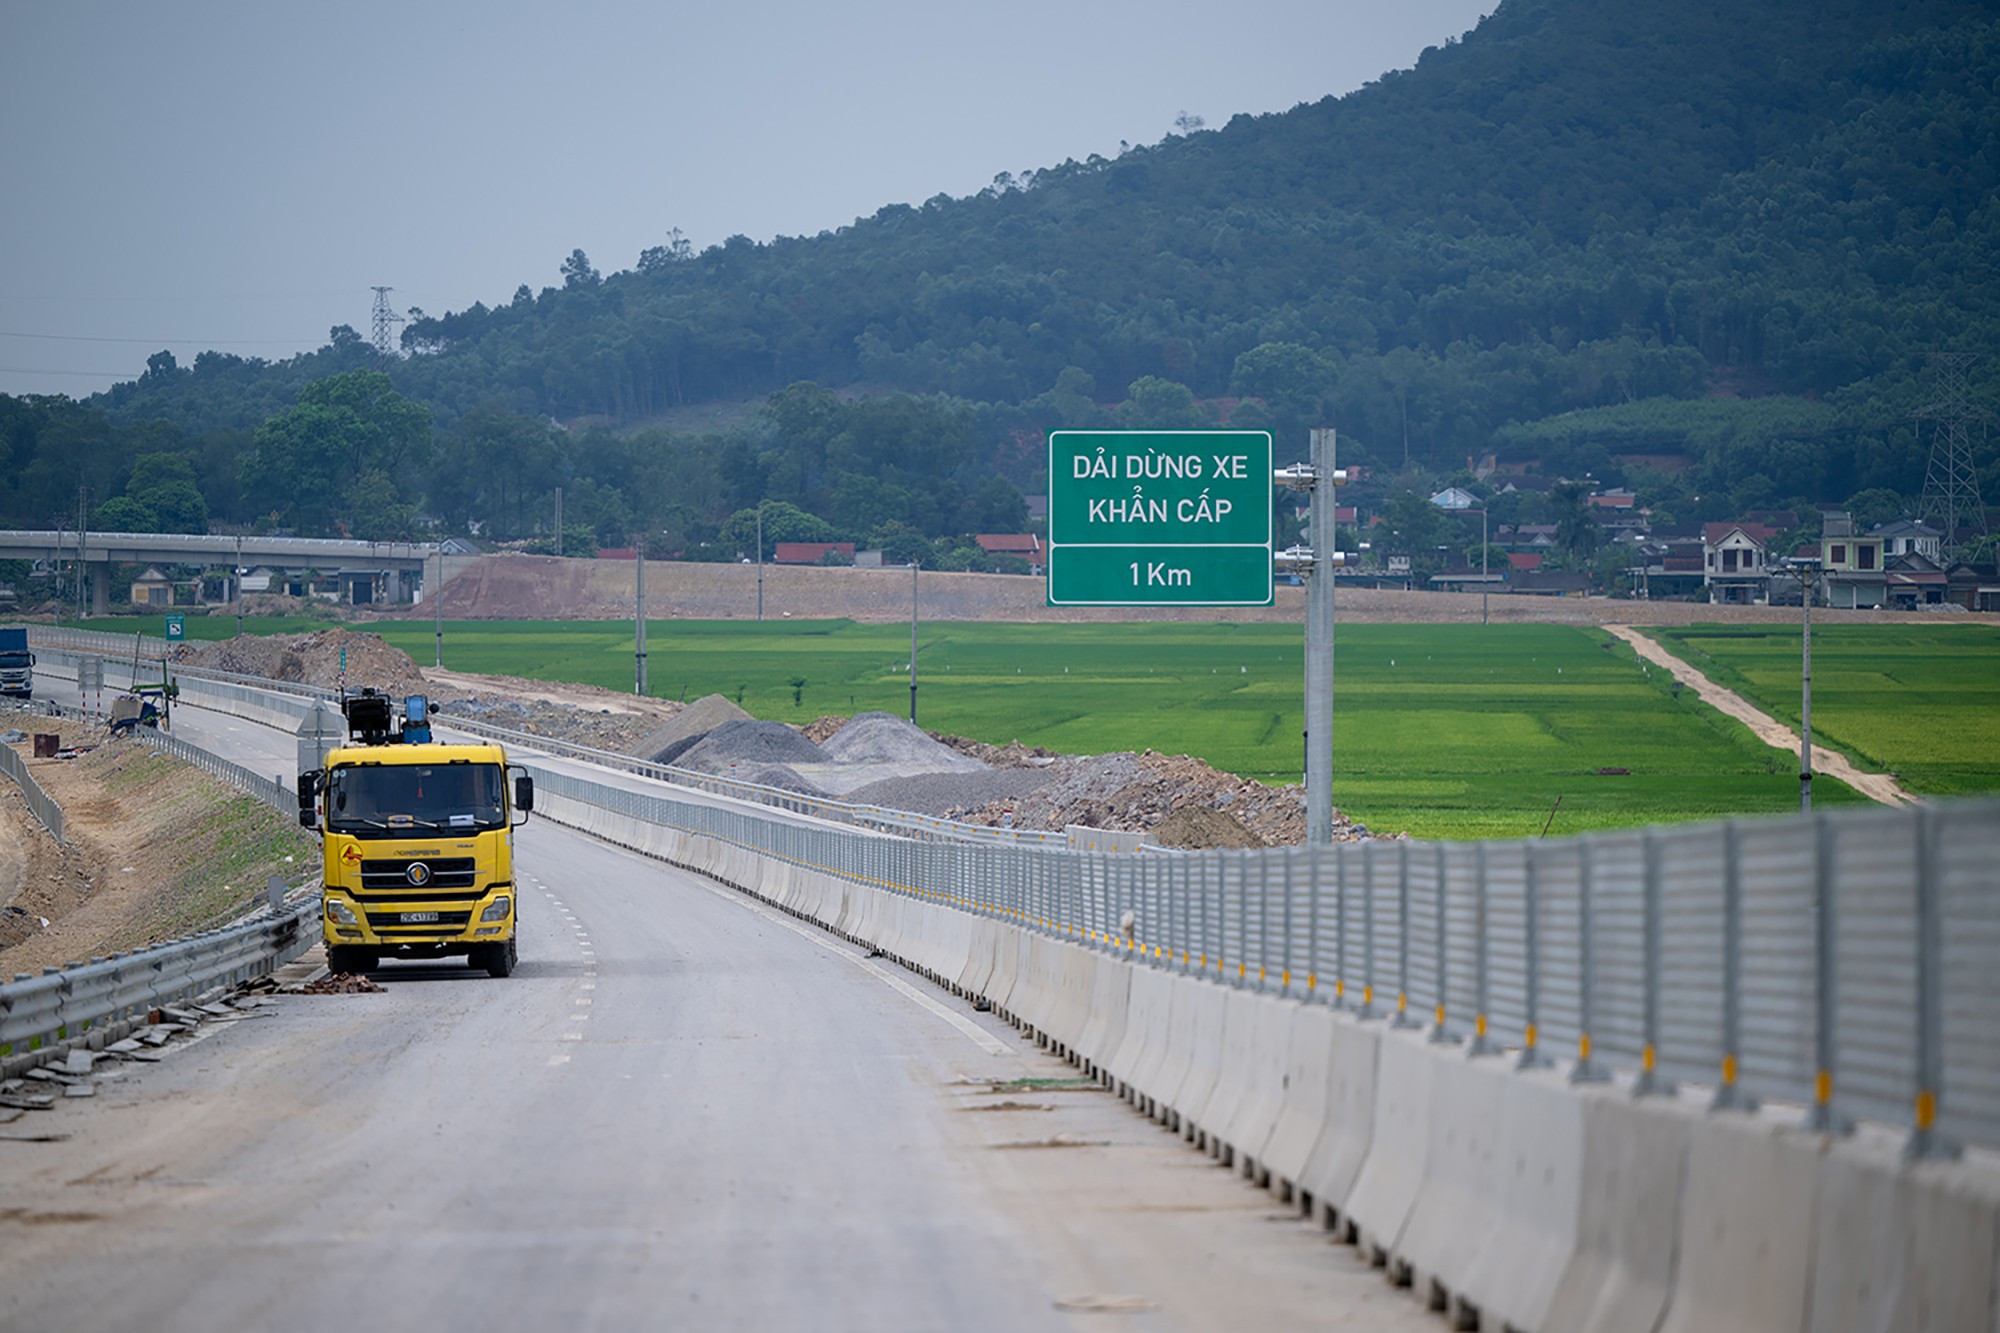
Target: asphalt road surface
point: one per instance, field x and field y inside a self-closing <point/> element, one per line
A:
<point x="684" y="1110"/>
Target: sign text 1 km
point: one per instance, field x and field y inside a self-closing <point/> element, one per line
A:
<point x="1143" y="518"/>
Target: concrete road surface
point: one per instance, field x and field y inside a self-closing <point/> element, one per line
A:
<point x="684" y="1110"/>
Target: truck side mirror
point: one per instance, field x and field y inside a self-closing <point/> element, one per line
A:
<point x="308" y="788"/>
<point x="524" y="793"/>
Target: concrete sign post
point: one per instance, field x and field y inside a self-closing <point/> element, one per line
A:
<point x="1159" y="518"/>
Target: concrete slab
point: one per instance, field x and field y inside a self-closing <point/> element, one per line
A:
<point x="1303" y="1113"/>
<point x="1537" y="1207"/>
<point x="1745" y="1236"/>
<point x="1902" y="1245"/>
<point x="1634" y="1156"/>
<point x="1341" y="1150"/>
<point x="1399" y="1144"/>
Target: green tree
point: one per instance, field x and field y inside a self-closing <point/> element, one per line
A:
<point x="343" y="427"/>
<point x="577" y="274"/>
<point x="783" y="522"/>
<point x="1156" y="404"/>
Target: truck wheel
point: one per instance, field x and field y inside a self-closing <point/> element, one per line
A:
<point x="349" y="959"/>
<point x="499" y="959"/>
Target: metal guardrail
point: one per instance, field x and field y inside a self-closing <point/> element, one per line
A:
<point x="39" y="802"/>
<point x="1844" y="962"/>
<point x="62" y="1004"/>
<point x="274" y="792"/>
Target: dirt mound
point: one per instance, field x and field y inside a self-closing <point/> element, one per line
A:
<point x="884" y="738"/>
<point x="1137" y="793"/>
<point x="317" y="659"/>
<point x="1198" y="828"/>
<point x="747" y="743"/>
<point x="666" y="744"/>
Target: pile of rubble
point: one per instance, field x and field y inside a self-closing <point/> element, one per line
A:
<point x="1144" y="792"/>
<point x="316" y="659"/>
<point x="80" y="1071"/>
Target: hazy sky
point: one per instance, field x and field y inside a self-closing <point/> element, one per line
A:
<point x="237" y="176"/>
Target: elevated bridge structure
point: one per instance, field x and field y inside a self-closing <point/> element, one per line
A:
<point x="390" y="572"/>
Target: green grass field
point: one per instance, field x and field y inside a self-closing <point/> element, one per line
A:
<point x="1920" y="701"/>
<point x="1440" y="730"/>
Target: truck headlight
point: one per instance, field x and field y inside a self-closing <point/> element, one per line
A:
<point x="497" y="909"/>
<point x="340" y="913"/>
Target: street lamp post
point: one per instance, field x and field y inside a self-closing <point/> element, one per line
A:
<point x="236" y="581"/>
<point x="913" y="641"/>
<point x="760" y="562"/>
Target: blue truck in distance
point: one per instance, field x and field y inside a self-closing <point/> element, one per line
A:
<point x="17" y="664"/>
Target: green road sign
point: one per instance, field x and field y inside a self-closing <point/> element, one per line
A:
<point x="1168" y="518"/>
<point x="177" y="630"/>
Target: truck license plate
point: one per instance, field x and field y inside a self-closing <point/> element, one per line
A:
<point x="420" y="918"/>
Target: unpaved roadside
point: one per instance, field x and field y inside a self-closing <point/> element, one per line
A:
<point x="1875" y="786"/>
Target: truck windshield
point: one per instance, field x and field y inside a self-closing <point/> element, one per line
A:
<point x="367" y="798"/>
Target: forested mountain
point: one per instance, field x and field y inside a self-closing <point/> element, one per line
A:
<point x="1660" y="214"/>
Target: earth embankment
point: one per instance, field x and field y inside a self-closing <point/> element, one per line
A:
<point x="528" y="587"/>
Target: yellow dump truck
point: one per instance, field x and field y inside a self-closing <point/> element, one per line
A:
<point x="418" y="840"/>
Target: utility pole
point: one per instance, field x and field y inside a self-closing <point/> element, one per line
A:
<point x="82" y="522"/>
<point x="640" y="688"/>
<point x="437" y="605"/>
<point x="913" y="641"/>
<point x="760" y="562"/>
<point x="558" y="522"/>
<point x="1317" y="564"/>
<point x="236" y="581"/>
<point x="1806" y="571"/>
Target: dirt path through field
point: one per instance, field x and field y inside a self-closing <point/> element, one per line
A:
<point x="1875" y="786"/>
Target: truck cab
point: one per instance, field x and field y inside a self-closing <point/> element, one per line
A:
<point x="17" y="664"/>
<point x="417" y="840"/>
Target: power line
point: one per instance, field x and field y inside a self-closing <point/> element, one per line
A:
<point x="157" y="342"/>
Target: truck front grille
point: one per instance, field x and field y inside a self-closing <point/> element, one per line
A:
<point x="393" y="875"/>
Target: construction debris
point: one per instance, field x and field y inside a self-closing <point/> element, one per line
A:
<point x="342" y="983"/>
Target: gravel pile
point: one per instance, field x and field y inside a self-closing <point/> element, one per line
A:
<point x="884" y="738"/>
<point x="666" y="744"/>
<point x="942" y="793"/>
<point x="746" y="743"/>
<point x="620" y="733"/>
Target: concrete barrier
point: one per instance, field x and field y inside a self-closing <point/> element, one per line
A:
<point x="1303" y="1113"/>
<point x="1266" y="1033"/>
<point x="1457" y="1208"/>
<point x="1148" y="1036"/>
<point x="1176" y="1051"/>
<point x="1537" y="1199"/>
<point x="1203" y="1033"/>
<point x="1399" y="1144"/>
<point x="1622" y="1272"/>
<point x="1745" y="1238"/>
<point x="1902" y="1245"/>
<point x="984" y="939"/>
<point x="1110" y="1001"/>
